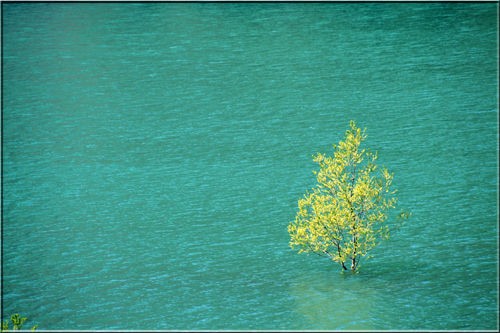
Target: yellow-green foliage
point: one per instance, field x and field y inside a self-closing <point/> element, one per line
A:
<point x="343" y="216"/>
<point x="17" y="323"/>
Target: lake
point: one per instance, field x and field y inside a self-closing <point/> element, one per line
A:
<point x="153" y="155"/>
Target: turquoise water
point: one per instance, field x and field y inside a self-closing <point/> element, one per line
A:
<point x="153" y="155"/>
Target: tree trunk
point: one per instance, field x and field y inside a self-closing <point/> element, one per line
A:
<point x="343" y="266"/>
<point x="353" y="264"/>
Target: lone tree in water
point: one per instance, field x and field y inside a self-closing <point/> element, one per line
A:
<point x="343" y="217"/>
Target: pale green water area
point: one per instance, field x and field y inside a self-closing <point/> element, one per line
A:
<point x="153" y="156"/>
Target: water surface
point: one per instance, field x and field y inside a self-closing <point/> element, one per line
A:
<point x="153" y="155"/>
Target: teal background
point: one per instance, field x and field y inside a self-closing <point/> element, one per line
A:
<point x="153" y="156"/>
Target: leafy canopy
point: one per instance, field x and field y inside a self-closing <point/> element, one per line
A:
<point x="17" y="323"/>
<point x="343" y="216"/>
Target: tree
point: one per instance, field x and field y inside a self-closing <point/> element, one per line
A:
<point x="17" y="323"/>
<point x="344" y="216"/>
